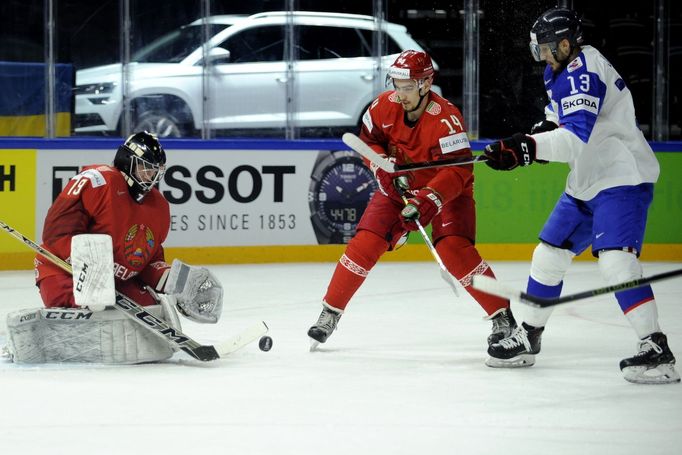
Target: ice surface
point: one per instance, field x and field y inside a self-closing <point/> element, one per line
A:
<point x="403" y="374"/>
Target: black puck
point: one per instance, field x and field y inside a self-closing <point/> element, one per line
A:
<point x="265" y="343"/>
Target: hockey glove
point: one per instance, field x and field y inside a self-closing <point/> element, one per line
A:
<point x="422" y="207"/>
<point x="390" y="184"/>
<point x="511" y="152"/>
<point x="543" y="126"/>
<point x="198" y="292"/>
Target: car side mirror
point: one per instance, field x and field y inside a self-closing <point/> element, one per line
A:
<point x="218" y="55"/>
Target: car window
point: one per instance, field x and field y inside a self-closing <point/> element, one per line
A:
<point x="257" y="44"/>
<point x="175" y="46"/>
<point x="390" y="46"/>
<point x="322" y="42"/>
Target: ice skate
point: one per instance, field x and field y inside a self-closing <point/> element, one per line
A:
<point x="517" y="350"/>
<point x="653" y="364"/>
<point x="504" y="325"/>
<point x="324" y="326"/>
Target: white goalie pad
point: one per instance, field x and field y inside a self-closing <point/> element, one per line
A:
<point x="56" y="335"/>
<point x="198" y="292"/>
<point x="92" y="262"/>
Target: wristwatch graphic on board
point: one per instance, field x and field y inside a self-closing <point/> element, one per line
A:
<point x="340" y="187"/>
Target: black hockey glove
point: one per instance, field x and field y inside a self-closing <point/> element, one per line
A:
<point x="511" y="152"/>
<point x="543" y="126"/>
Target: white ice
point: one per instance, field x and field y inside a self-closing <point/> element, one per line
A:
<point x="403" y="374"/>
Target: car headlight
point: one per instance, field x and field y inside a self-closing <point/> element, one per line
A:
<point x="99" y="88"/>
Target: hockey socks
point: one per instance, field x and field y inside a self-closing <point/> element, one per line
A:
<point x="537" y="317"/>
<point x="463" y="261"/>
<point x="362" y="252"/>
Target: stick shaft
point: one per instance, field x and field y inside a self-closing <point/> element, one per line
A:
<point x="492" y="286"/>
<point x="357" y="144"/>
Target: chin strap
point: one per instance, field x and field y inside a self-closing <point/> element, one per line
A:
<point x="421" y="99"/>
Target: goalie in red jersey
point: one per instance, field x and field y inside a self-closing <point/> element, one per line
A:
<point x="123" y="202"/>
<point x="110" y="223"/>
<point x="410" y="124"/>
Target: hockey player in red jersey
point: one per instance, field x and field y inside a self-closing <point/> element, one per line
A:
<point x="409" y="124"/>
<point x="109" y="223"/>
<point x="123" y="202"/>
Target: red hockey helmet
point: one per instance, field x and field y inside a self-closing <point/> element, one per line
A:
<point x="411" y="64"/>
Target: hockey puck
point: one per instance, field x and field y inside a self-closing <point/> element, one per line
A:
<point x="265" y="343"/>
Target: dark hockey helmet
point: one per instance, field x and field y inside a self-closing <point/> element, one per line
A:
<point x="142" y="161"/>
<point x="553" y="26"/>
<point x="410" y="64"/>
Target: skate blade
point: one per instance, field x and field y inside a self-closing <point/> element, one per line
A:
<point x="662" y="374"/>
<point x="520" y="361"/>
<point x="313" y="345"/>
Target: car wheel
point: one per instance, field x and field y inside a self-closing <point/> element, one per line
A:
<point x="160" y="123"/>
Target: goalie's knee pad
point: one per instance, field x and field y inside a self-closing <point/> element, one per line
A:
<point x="617" y="266"/>
<point x="54" y="335"/>
<point x="550" y="264"/>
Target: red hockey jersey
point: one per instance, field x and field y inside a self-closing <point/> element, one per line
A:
<point x="97" y="201"/>
<point x="438" y="134"/>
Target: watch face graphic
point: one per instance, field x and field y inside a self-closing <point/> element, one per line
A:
<point x="340" y="187"/>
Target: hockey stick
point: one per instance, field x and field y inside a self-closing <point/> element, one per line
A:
<point x="491" y="286"/>
<point x="355" y="143"/>
<point x="159" y="327"/>
<point x="443" y="271"/>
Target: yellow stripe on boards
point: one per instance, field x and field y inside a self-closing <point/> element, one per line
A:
<point x="332" y="253"/>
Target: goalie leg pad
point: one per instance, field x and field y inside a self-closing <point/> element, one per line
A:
<point x="55" y="335"/>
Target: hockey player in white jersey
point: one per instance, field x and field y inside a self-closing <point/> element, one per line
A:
<point x="590" y="125"/>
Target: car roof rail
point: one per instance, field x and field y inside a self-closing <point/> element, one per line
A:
<point x="313" y="14"/>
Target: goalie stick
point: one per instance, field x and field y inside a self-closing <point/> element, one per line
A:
<point x="357" y="144"/>
<point x="157" y="326"/>
<point x="494" y="287"/>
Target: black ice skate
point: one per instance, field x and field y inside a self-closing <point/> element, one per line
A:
<point x="653" y="364"/>
<point x="517" y="350"/>
<point x="503" y="326"/>
<point x="324" y="326"/>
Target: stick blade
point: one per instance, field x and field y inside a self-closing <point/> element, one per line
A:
<point x="240" y="340"/>
<point x="493" y="287"/>
<point x="357" y="144"/>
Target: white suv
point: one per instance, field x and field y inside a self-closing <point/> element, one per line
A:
<point x="334" y="76"/>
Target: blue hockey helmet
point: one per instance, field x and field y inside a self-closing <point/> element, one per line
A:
<point x="553" y="26"/>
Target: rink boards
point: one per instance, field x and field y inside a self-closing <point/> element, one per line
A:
<point x="253" y="201"/>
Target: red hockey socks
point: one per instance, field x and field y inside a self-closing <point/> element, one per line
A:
<point x="362" y="252"/>
<point x="463" y="261"/>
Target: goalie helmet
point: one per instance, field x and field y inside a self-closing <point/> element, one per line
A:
<point x="142" y="161"/>
<point x="411" y="64"/>
<point x="553" y="26"/>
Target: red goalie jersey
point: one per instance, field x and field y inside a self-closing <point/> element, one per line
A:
<point x="438" y="134"/>
<point x="97" y="201"/>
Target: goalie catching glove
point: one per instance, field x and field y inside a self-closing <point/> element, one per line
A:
<point x="511" y="152"/>
<point x="198" y="292"/>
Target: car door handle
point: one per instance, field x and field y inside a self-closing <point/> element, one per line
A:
<point x="282" y="80"/>
<point x="368" y="77"/>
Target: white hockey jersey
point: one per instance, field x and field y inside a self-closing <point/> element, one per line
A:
<point x="598" y="135"/>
